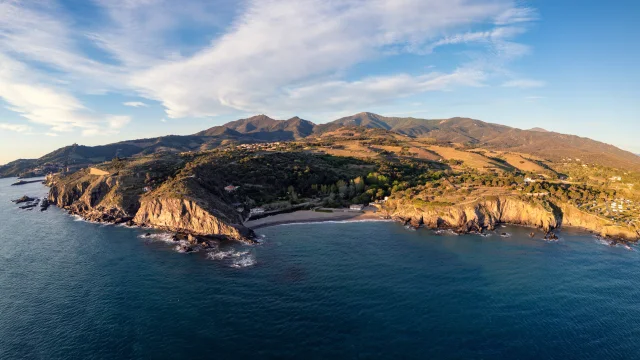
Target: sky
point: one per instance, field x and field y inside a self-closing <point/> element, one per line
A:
<point x="99" y="71"/>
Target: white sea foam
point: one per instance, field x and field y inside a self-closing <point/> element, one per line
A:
<point x="505" y="235"/>
<point x="244" y="261"/>
<point x="233" y="258"/>
<point x="445" y="232"/>
<point x="162" y="236"/>
<point x="221" y="255"/>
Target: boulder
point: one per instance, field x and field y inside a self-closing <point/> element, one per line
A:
<point x="24" y="199"/>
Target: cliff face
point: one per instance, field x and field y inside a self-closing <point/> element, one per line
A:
<point x="95" y="198"/>
<point x="476" y="216"/>
<point x="121" y="198"/>
<point x="576" y="217"/>
<point x="185" y="215"/>
<point x="488" y="213"/>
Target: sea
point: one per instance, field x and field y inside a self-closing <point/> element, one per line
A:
<point x="70" y="289"/>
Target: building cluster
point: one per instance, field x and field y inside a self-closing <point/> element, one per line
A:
<point x="256" y="146"/>
<point x="48" y="168"/>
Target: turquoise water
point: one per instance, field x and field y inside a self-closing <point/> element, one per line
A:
<point x="75" y="290"/>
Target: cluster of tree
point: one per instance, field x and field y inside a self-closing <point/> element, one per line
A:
<point x="579" y="193"/>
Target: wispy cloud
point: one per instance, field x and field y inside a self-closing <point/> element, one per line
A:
<point x="273" y="56"/>
<point x="15" y="127"/>
<point x="524" y="83"/>
<point x="278" y="50"/>
<point x="135" y="104"/>
<point x="118" y="121"/>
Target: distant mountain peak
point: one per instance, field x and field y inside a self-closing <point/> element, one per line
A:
<point x="538" y="129"/>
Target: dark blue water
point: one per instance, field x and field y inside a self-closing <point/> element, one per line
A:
<point x="74" y="290"/>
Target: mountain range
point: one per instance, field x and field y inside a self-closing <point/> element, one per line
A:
<point x="464" y="132"/>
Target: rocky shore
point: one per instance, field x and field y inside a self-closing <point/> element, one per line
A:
<point x="109" y="199"/>
<point x="119" y="198"/>
<point x="489" y="213"/>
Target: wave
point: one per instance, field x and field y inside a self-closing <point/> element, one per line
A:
<point x="445" y="232"/>
<point x="243" y="262"/>
<point x="162" y="236"/>
<point x="221" y="255"/>
<point x="81" y="219"/>
<point x="233" y="258"/>
<point x="611" y="243"/>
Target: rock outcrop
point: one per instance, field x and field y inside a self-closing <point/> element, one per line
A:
<point x="120" y="198"/>
<point x="186" y="215"/>
<point x="486" y="214"/>
<point x="477" y="216"/>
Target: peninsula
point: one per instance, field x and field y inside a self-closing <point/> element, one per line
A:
<point x="459" y="174"/>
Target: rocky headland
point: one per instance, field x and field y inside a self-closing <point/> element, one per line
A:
<point x="125" y="197"/>
<point x="488" y="213"/>
<point x="185" y="194"/>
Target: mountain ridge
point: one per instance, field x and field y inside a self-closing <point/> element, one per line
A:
<point x="466" y="132"/>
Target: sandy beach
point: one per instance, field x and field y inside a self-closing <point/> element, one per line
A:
<point x="303" y="216"/>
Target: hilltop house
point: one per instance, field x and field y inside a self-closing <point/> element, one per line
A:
<point x="231" y="188"/>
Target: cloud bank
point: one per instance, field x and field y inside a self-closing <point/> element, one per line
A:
<point x="254" y="56"/>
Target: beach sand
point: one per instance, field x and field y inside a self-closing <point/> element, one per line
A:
<point x="310" y="216"/>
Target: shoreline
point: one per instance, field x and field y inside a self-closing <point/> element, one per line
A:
<point x="310" y="216"/>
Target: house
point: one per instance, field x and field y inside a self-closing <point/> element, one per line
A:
<point x="257" y="210"/>
<point x="356" y="207"/>
<point x="528" y="180"/>
<point x="231" y="188"/>
<point x="616" y="178"/>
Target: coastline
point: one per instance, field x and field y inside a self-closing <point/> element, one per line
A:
<point x="309" y="216"/>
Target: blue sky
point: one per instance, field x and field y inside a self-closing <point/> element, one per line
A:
<point x="99" y="71"/>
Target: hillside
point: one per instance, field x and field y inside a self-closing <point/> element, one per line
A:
<point x="479" y="134"/>
<point x="464" y="133"/>
<point x="264" y="128"/>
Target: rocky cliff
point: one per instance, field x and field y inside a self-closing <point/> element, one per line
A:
<point x="186" y="215"/>
<point x="487" y="213"/>
<point x="121" y="197"/>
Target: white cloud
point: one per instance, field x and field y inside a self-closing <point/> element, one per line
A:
<point x="372" y="91"/>
<point x="524" y="83"/>
<point x="51" y="134"/>
<point x="118" y="121"/>
<point x="15" y="127"/>
<point x="516" y="15"/>
<point x="278" y="55"/>
<point x="135" y="104"/>
<point x="278" y="49"/>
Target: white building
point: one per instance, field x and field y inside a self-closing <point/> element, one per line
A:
<point x="257" y="210"/>
<point x="231" y="188"/>
<point x="356" y="207"/>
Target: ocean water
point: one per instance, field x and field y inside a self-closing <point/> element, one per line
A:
<point x="372" y="290"/>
